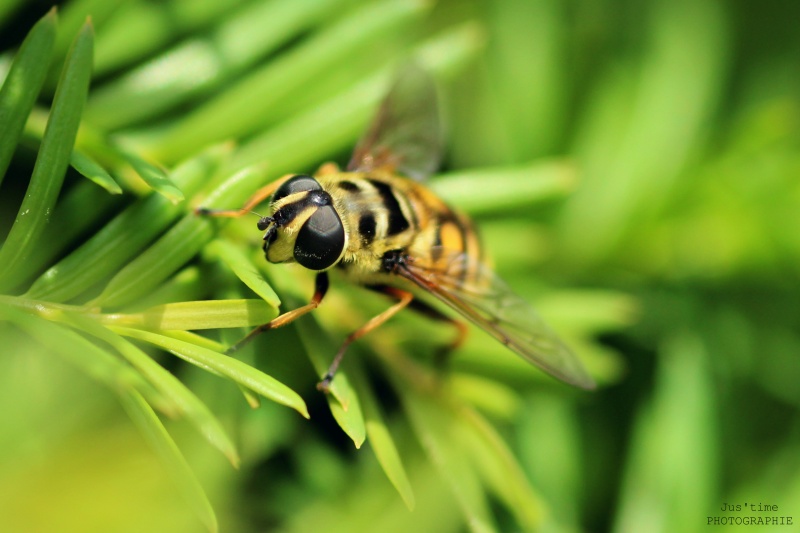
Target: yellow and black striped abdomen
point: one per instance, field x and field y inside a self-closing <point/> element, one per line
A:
<point x="448" y="240"/>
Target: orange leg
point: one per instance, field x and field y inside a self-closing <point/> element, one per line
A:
<point x="404" y="298"/>
<point x="327" y="169"/>
<point x="321" y="287"/>
<point x="262" y="194"/>
<point x="443" y="354"/>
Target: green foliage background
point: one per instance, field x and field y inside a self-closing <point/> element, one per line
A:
<point x="633" y="168"/>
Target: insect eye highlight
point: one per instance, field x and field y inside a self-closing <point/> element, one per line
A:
<point x="295" y="184"/>
<point x="321" y="240"/>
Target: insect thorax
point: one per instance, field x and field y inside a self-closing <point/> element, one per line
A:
<point x="383" y="212"/>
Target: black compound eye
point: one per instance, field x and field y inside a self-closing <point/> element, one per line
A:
<point x="321" y="240"/>
<point x="299" y="183"/>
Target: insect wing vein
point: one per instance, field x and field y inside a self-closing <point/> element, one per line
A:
<point x="492" y="306"/>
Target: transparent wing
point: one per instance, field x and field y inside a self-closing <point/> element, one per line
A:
<point x="489" y="303"/>
<point x="405" y="135"/>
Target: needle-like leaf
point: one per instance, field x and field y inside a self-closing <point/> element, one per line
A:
<point x="380" y="439"/>
<point x="89" y="168"/>
<point x="23" y="83"/>
<point x="51" y="162"/>
<point x="223" y="365"/>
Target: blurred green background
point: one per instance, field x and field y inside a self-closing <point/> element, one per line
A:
<point x="632" y="166"/>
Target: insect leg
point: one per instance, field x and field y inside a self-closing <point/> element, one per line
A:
<point x="320" y="288"/>
<point x="262" y="194"/>
<point x="443" y="353"/>
<point x="327" y="169"/>
<point x="404" y="298"/>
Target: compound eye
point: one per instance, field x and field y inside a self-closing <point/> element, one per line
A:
<point x="295" y="184"/>
<point x="321" y="240"/>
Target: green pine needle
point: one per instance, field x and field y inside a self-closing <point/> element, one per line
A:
<point x="632" y="176"/>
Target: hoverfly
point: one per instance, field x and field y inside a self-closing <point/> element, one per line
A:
<point x="381" y="227"/>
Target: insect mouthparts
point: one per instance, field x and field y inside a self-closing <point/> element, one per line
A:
<point x="264" y="223"/>
<point x="270" y="236"/>
<point x="269" y="224"/>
